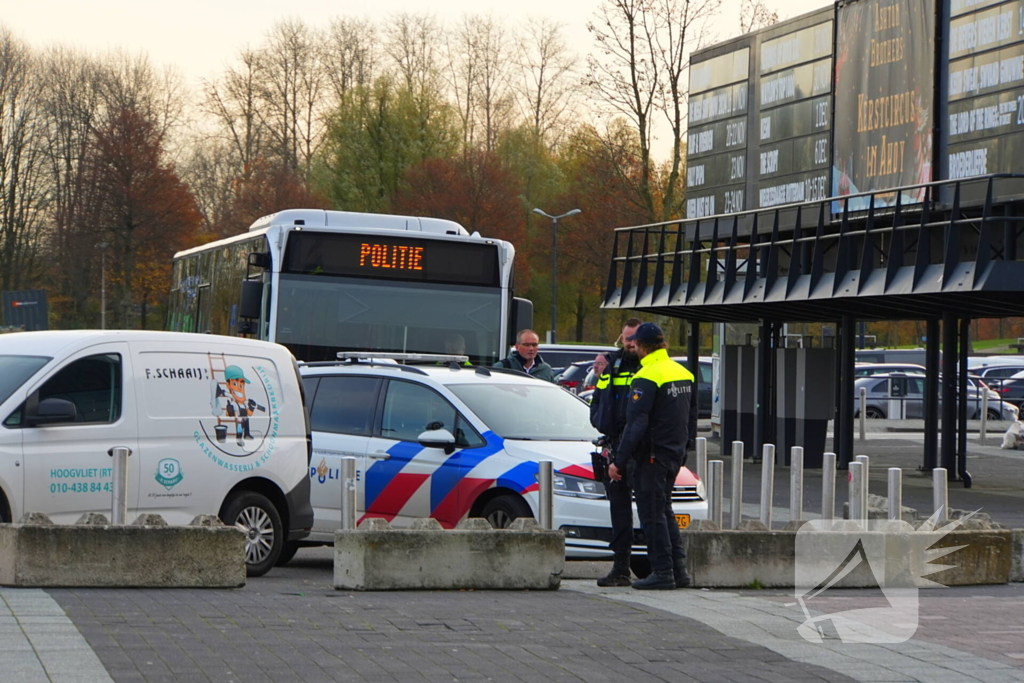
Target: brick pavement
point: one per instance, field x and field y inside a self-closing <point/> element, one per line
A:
<point x="291" y="625"/>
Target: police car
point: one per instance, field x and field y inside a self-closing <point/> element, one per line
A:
<point x="447" y="441"/>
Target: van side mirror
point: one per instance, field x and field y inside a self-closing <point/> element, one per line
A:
<point x="251" y="302"/>
<point x="522" y="316"/>
<point x="438" y="438"/>
<point x="51" y="411"/>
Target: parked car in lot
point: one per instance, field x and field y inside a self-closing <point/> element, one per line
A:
<point x="453" y="442"/>
<point x="883" y="402"/>
<point x="561" y="356"/>
<point x="1010" y="389"/>
<point x="577" y="377"/>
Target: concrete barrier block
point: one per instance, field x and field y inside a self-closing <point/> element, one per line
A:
<point x="206" y="520"/>
<point x="737" y="559"/>
<point x="525" y="524"/>
<point x="1017" y="562"/>
<point x="35" y="518"/>
<point x="753" y="525"/>
<point x="426" y="524"/>
<point x="373" y="559"/>
<point x="375" y="524"/>
<point x="703" y="525"/>
<point x="91" y="555"/>
<point x="474" y="524"/>
<point x="92" y="519"/>
<point x="149" y="519"/>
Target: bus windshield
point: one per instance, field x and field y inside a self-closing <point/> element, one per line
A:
<point x="317" y="316"/>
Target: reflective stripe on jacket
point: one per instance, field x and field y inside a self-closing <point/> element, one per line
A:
<point x="661" y="412"/>
<point x="611" y="395"/>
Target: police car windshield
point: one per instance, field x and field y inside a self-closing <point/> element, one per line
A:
<point x="14" y="370"/>
<point x="536" y="411"/>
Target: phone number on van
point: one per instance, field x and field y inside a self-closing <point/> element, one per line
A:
<point x="81" y="487"/>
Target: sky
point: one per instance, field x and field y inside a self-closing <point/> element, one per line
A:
<point x="201" y="37"/>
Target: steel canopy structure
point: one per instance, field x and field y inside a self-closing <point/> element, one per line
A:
<point x="952" y="257"/>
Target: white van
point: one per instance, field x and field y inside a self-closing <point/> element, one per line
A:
<point x="215" y="425"/>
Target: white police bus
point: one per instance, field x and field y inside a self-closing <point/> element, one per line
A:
<point x="320" y="282"/>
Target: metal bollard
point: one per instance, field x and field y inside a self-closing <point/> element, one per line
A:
<point x="864" y="481"/>
<point x="940" y="494"/>
<point x="767" y="483"/>
<point x="546" y="480"/>
<point x="984" y="413"/>
<point x="119" y="490"/>
<point x="895" y="493"/>
<point x="716" y="485"/>
<point x="736" y="513"/>
<point x="856" y="515"/>
<point x="796" y="483"/>
<point x="828" y="487"/>
<point x="702" y="458"/>
<point x="863" y="413"/>
<point x="348" y="492"/>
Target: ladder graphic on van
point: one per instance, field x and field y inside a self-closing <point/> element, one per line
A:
<point x="218" y="366"/>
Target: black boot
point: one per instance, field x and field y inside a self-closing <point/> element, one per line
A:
<point x="679" y="570"/>
<point x="656" y="581"/>
<point x="618" y="577"/>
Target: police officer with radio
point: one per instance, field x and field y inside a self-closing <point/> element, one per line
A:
<point x="608" y="415"/>
<point x="661" y="424"/>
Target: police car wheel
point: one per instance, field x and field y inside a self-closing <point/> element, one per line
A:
<point x="257" y="518"/>
<point x="874" y="414"/>
<point x="504" y="510"/>
<point x="640" y="565"/>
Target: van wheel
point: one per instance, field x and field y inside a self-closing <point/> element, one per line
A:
<point x="258" y="519"/>
<point x="874" y="414"/>
<point x="287" y="553"/>
<point x="504" y="510"/>
<point x="994" y="415"/>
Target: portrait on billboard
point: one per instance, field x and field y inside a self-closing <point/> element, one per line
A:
<point x="884" y="100"/>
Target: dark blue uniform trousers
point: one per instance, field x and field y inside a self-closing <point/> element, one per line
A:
<point x="653" y="482"/>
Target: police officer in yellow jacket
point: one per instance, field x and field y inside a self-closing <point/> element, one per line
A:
<point x="661" y="424"/>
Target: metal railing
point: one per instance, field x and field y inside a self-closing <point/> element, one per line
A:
<point x="802" y="248"/>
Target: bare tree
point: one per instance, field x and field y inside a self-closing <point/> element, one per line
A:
<point x="350" y="56"/>
<point x="291" y="93"/>
<point x="546" y="86"/>
<point x="754" y="14"/>
<point x="463" y="72"/>
<point x="22" y="190"/>
<point x="234" y="103"/>
<point x="643" y="48"/>
<point x="410" y="43"/>
<point x="494" y="100"/>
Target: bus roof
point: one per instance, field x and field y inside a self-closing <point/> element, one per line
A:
<point x="317" y="218"/>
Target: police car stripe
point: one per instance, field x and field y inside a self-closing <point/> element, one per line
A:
<point x="455" y="468"/>
<point x="396" y="494"/>
<point x="382" y="472"/>
<point x="520" y="478"/>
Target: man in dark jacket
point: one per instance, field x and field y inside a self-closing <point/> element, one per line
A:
<point x="661" y="423"/>
<point x="608" y="416"/>
<point x="525" y="357"/>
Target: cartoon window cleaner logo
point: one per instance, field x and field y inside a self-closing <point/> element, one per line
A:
<point x="239" y="400"/>
<point x="168" y="473"/>
<point x="238" y="407"/>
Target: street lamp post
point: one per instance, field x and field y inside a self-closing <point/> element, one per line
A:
<point x="554" y="263"/>
<point x="102" y="246"/>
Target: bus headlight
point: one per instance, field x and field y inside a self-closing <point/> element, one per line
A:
<point x="577" y="487"/>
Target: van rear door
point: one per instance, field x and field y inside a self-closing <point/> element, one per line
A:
<point x="68" y="470"/>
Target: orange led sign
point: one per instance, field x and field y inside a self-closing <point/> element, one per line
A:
<point x="397" y="256"/>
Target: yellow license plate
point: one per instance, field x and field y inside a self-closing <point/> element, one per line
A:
<point x="683" y="521"/>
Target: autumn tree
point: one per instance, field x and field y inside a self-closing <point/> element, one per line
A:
<point x="145" y="213"/>
<point x="547" y="84"/>
<point x="472" y="189"/>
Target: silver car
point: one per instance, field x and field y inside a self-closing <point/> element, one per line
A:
<point x="901" y="396"/>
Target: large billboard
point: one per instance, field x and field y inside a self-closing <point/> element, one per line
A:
<point x="794" y="98"/>
<point x="716" y="139"/>
<point x="884" y="98"/>
<point x="985" y="91"/>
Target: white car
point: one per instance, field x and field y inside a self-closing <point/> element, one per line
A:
<point x="486" y="429"/>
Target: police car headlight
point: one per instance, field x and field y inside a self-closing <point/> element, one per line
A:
<point x="577" y="487"/>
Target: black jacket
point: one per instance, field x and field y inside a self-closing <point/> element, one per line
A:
<point x="611" y="395"/>
<point x="661" y="417"/>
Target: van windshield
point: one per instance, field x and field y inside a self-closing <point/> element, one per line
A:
<point x="14" y="370"/>
<point x="535" y="411"/>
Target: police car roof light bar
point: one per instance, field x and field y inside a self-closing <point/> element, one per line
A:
<point x="407" y="357"/>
